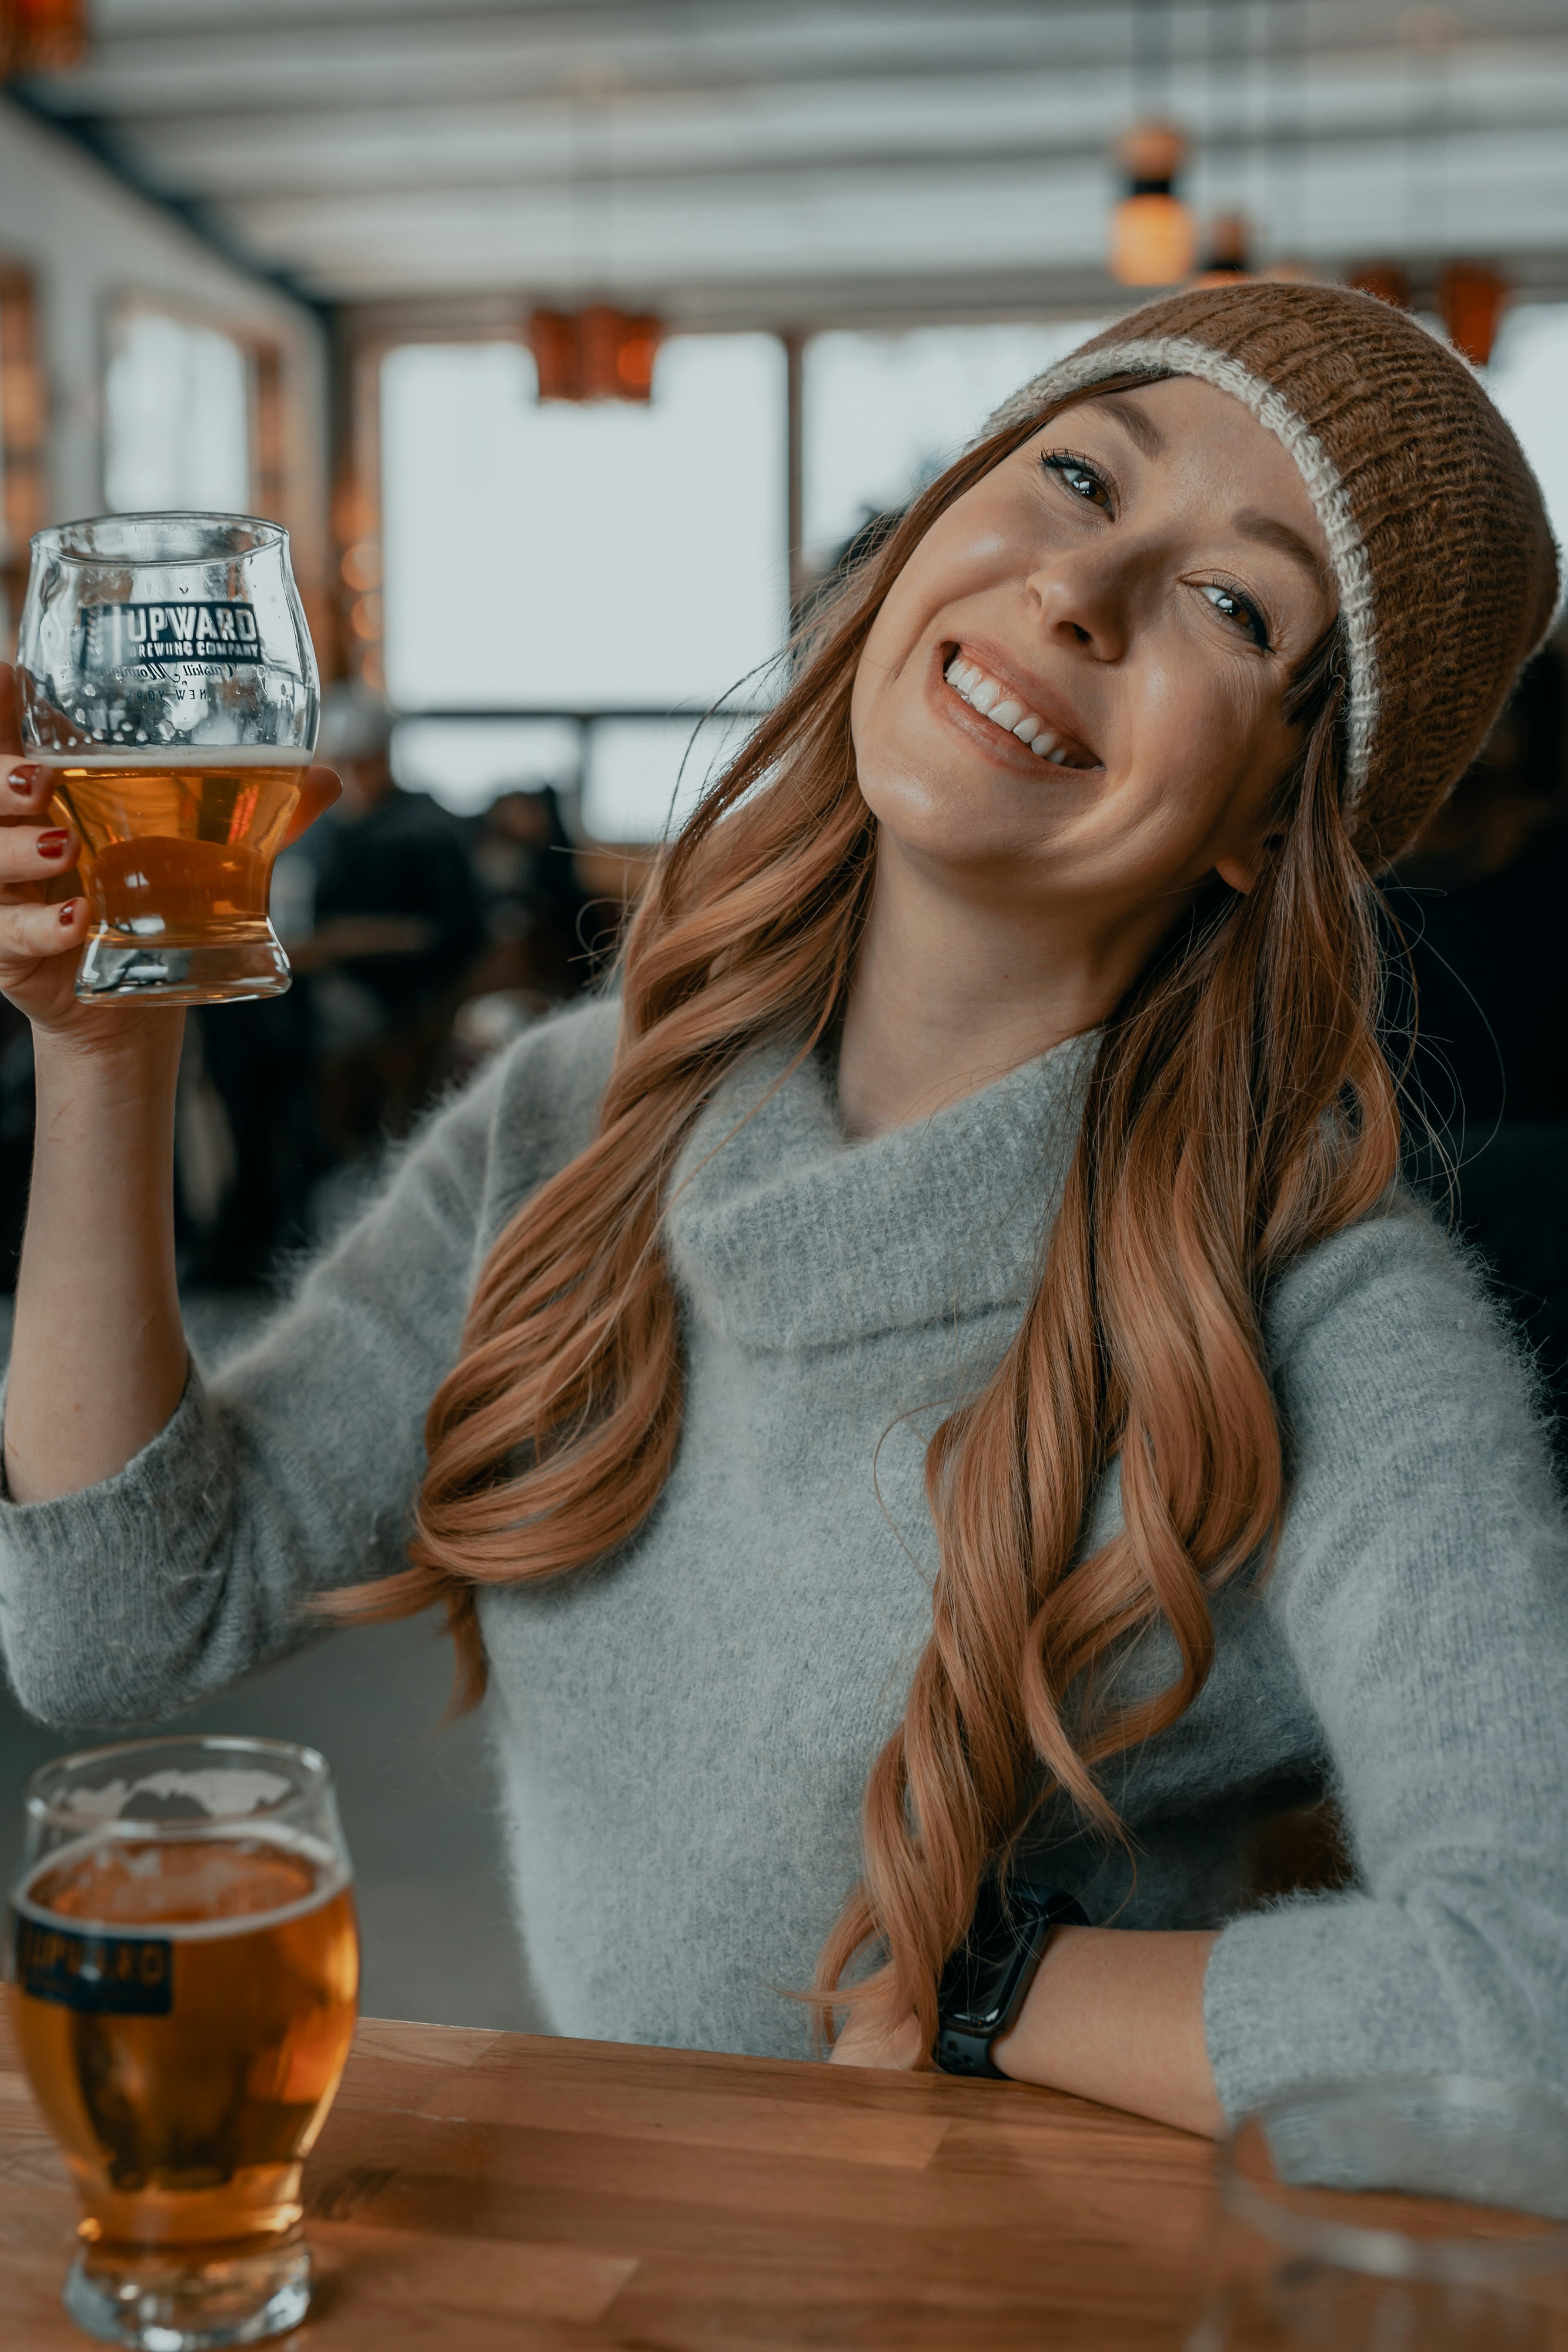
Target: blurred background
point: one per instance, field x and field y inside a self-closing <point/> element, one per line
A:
<point x="576" y="343"/>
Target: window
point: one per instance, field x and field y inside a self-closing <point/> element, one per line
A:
<point x="1526" y="378"/>
<point x="885" y="412"/>
<point x="556" y="558"/>
<point x="464" y="764"/>
<point x="642" y="776"/>
<point x="177" y="428"/>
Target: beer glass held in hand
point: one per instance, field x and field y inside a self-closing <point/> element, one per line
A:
<point x="185" y="1977"/>
<point x="167" y="677"/>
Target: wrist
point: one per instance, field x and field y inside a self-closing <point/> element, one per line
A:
<point x="989" y="1979"/>
<point x="1016" y="2044"/>
<point x="113" y="1053"/>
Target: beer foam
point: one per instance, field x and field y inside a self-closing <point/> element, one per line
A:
<point x="331" y="1870"/>
<point x="177" y="755"/>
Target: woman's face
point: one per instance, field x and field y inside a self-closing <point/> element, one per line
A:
<point x="1131" y="589"/>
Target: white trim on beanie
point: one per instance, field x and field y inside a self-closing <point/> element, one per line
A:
<point x="1185" y="355"/>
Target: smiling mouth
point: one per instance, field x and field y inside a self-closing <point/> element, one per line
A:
<point x="993" y="700"/>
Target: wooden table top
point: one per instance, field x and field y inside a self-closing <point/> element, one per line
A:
<point x="474" y="2191"/>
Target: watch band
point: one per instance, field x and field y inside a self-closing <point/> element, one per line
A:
<point x="963" y="2046"/>
<point x="959" y="2052"/>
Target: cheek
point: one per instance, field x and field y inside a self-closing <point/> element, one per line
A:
<point x="1191" y="720"/>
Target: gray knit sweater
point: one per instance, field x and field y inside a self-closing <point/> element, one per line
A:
<point x="684" y="1733"/>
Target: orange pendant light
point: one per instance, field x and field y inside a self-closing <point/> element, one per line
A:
<point x="42" y="35"/>
<point x="1473" y="297"/>
<point x="1227" y="253"/>
<point x="599" y="353"/>
<point x="1153" y="241"/>
<point x="1389" y="280"/>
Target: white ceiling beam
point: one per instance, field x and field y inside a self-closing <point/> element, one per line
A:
<point x="1004" y="217"/>
<point x="767" y="129"/>
<point x="192" y="57"/>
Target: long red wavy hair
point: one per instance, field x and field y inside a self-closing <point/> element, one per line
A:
<point x="1239" y="1111"/>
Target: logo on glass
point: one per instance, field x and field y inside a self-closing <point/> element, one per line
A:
<point x="116" y="636"/>
<point x="103" y="1976"/>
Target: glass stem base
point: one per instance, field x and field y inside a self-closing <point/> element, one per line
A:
<point x="189" y="2298"/>
<point x="214" y="971"/>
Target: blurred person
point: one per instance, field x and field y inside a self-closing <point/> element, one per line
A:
<point x="257" y="1062"/>
<point x="1482" y="900"/>
<point x="929" y="1405"/>
<point x="395" y="926"/>
<point x="523" y="858"/>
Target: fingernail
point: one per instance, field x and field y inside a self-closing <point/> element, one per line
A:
<point x="26" y="780"/>
<point x="54" y="844"/>
<point x="68" y="913"/>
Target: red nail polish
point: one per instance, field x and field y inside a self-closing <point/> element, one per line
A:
<point x="68" y="913"/>
<point x="52" y="844"/>
<point x="26" y="780"/>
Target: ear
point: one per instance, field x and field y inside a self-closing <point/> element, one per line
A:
<point x="1241" y="867"/>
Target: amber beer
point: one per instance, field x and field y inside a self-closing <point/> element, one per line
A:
<point x="178" y="850"/>
<point x="184" y="2011"/>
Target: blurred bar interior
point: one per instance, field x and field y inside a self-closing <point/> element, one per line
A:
<point x="576" y="345"/>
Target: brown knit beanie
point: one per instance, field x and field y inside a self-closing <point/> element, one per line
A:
<point x="1436" y="529"/>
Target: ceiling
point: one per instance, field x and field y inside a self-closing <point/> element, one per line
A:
<point x="731" y="160"/>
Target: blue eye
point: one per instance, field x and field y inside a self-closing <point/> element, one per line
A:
<point x="1239" y="610"/>
<point x="1076" y="475"/>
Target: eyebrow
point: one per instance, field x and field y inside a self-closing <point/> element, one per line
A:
<point x="1137" y="425"/>
<point x="1269" y="531"/>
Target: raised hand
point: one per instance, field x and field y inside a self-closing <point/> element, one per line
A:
<point x="44" y="917"/>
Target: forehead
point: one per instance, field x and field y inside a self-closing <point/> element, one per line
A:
<point x="1186" y="425"/>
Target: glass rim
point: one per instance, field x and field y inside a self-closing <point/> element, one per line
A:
<point x="1383" y="2250"/>
<point x="313" y="1778"/>
<point x="55" y="539"/>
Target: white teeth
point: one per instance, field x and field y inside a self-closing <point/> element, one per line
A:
<point x="984" y="694"/>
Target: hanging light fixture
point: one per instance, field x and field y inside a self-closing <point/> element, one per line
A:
<point x="1389" y="280"/>
<point x="41" y="36"/>
<point x="1473" y="297"/>
<point x="1153" y="241"/>
<point x="1227" y="253"/>
<point x="599" y="353"/>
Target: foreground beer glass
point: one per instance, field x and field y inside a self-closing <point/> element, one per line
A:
<point x="1401" y="2213"/>
<point x="167" y="677"/>
<point x="184" y="1974"/>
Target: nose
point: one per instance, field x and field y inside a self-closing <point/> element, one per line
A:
<point x="1082" y="599"/>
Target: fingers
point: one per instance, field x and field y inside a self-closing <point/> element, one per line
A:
<point x="317" y="793"/>
<point x="28" y="932"/>
<point x="27" y="787"/>
<point x="36" y="853"/>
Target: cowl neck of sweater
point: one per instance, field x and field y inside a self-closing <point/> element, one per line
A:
<point x="785" y="1233"/>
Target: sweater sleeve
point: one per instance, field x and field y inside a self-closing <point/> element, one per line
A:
<point x="1421" y="1587"/>
<point x="294" y="1468"/>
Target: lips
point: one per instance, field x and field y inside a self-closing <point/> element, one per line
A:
<point x="1001" y="704"/>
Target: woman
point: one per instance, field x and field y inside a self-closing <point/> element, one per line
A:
<point x="936" y="1379"/>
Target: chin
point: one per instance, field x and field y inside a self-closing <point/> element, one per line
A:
<point x="961" y="815"/>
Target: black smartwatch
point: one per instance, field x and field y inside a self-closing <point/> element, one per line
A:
<point x="986" y="1981"/>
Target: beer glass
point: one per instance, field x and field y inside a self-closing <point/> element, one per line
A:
<point x="167" y="677"/>
<point x="1427" y="2212"/>
<point x="184" y="1982"/>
